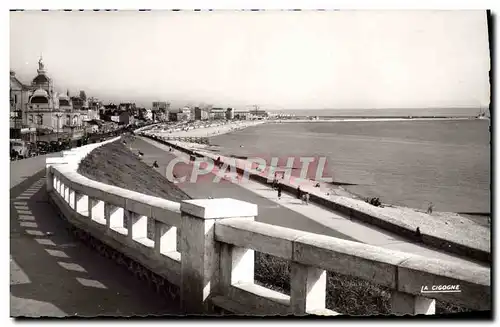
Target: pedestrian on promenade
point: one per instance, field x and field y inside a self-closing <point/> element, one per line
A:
<point x="13" y="154"/>
<point x="299" y="192"/>
<point x="430" y="208"/>
<point x="306" y="198"/>
<point x="279" y="191"/>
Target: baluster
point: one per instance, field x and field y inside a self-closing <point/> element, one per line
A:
<point x="403" y="303"/>
<point x="96" y="210"/>
<point x="307" y="289"/>
<point x="137" y="225"/>
<point x="236" y="266"/>
<point x="114" y="217"/>
<point x="71" y="198"/>
<point x="81" y="204"/>
<point x="165" y="238"/>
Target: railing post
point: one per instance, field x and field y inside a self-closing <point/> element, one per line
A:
<point x="200" y="252"/>
<point x="403" y="304"/>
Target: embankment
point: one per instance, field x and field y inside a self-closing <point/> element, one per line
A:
<point x="114" y="164"/>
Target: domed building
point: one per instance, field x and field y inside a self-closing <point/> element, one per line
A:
<point x="43" y="105"/>
<point x="41" y="109"/>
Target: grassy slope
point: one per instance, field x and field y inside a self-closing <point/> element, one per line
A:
<point x="114" y="164"/>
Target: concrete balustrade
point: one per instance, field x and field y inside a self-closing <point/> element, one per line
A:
<point x="211" y="259"/>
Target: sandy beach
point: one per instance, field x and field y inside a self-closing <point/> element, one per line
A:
<point x="212" y="129"/>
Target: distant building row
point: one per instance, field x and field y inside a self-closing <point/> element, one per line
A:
<point x="163" y="113"/>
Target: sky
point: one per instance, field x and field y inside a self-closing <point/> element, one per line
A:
<point x="274" y="59"/>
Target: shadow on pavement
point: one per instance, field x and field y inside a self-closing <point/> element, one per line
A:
<point x="54" y="274"/>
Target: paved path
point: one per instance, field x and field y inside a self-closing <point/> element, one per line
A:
<point x="25" y="168"/>
<point x="289" y="211"/>
<point x="52" y="273"/>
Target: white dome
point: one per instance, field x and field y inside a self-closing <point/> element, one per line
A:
<point x="40" y="93"/>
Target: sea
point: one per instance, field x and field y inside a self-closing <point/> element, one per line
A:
<point x="407" y="163"/>
<point x="395" y="112"/>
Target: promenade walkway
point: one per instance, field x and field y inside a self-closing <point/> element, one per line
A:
<point x="53" y="274"/>
<point x="289" y="211"/>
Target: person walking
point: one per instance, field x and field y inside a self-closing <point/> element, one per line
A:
<point x="279" y="191"/>
<point x="299" y="193"/>
<point x="275" y="182"/>
<point x="306" y="198"/>
<point x="430" y="208"/>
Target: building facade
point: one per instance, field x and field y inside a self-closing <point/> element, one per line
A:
<point x="70" y="117"/>
<point x="160" y="106"/>
<point x="43" y="107"/>
<point x="201" y="114"/>
<point x="173" y="115"/>
<point x="229" y="113"/>
<point x="19" y="100"/>
<point x="94" y="107"/>
<point x="126" y="118"/>
<point x="183" y="114"/>
<point x="186" y="114"/>
<point x="260" y="113"/>
<point x="217" y="113"/>
<point x="243" y="115"/>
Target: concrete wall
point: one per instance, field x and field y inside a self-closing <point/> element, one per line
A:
<point x="213" y="265"/>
